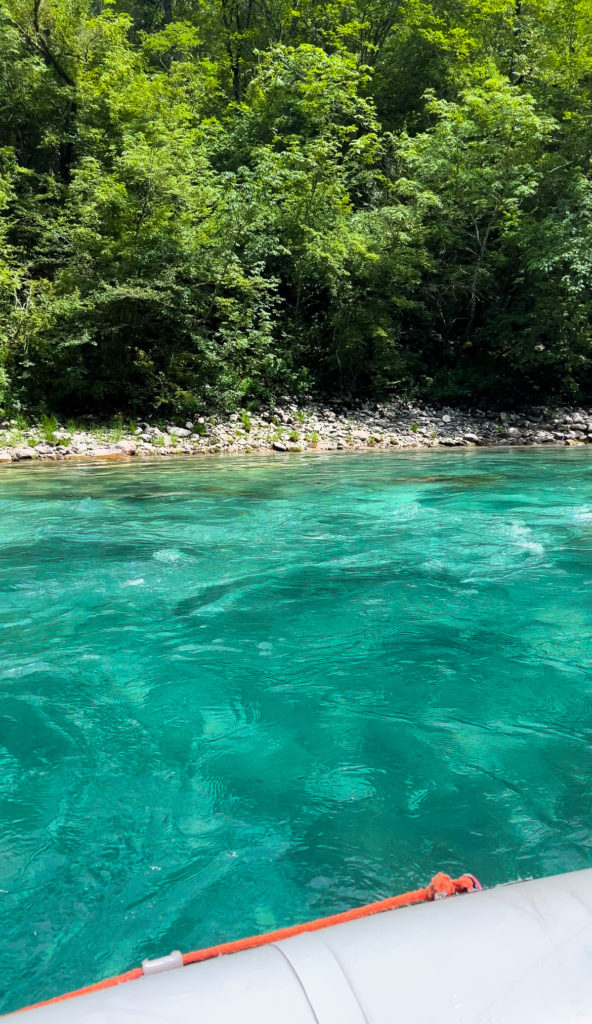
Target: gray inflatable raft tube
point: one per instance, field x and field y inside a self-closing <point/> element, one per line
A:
<point x="516" y="954"/>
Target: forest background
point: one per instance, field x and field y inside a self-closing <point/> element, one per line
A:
<point x="212" y="203"/>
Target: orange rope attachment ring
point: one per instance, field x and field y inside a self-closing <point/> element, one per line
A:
<point x="441" y="886"/>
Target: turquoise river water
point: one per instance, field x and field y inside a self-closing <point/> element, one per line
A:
<point x="238" y="693"/>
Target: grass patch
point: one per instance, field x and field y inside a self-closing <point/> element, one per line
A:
<point x="48" y="427"/>
<point x="116" y="431"/>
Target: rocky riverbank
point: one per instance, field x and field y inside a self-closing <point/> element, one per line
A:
<point x="292" y="428"/>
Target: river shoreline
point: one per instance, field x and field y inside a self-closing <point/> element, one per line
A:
<point x="292" y="428"/>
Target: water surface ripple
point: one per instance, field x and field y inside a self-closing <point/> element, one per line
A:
<point x="238" y="693"/>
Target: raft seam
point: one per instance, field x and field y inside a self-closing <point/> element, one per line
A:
<point x="298" y="979"/>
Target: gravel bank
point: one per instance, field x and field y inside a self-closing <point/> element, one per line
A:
<point x="292" y="428"/>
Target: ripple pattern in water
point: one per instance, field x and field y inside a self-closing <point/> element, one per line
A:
<point x="239" y="693"/>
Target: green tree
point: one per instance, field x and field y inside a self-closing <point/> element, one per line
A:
<point x="483" y="162"/>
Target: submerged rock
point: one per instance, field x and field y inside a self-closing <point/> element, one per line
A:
<point x="103" y="453"/>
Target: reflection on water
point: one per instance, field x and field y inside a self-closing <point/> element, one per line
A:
<point x="238" y="693"/>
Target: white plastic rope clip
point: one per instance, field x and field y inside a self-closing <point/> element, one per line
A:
<point x="163" y="963"/>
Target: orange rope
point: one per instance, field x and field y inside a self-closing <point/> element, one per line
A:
<point x="440" y="886"/>
<point x="117" y="979"/>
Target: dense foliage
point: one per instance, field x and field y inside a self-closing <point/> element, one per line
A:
<point x="212" y="202"/>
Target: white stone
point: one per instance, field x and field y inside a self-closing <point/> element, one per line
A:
<point x="127" y="447"/>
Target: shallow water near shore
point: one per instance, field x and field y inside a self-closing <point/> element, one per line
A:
<point x="238" y="693"/>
